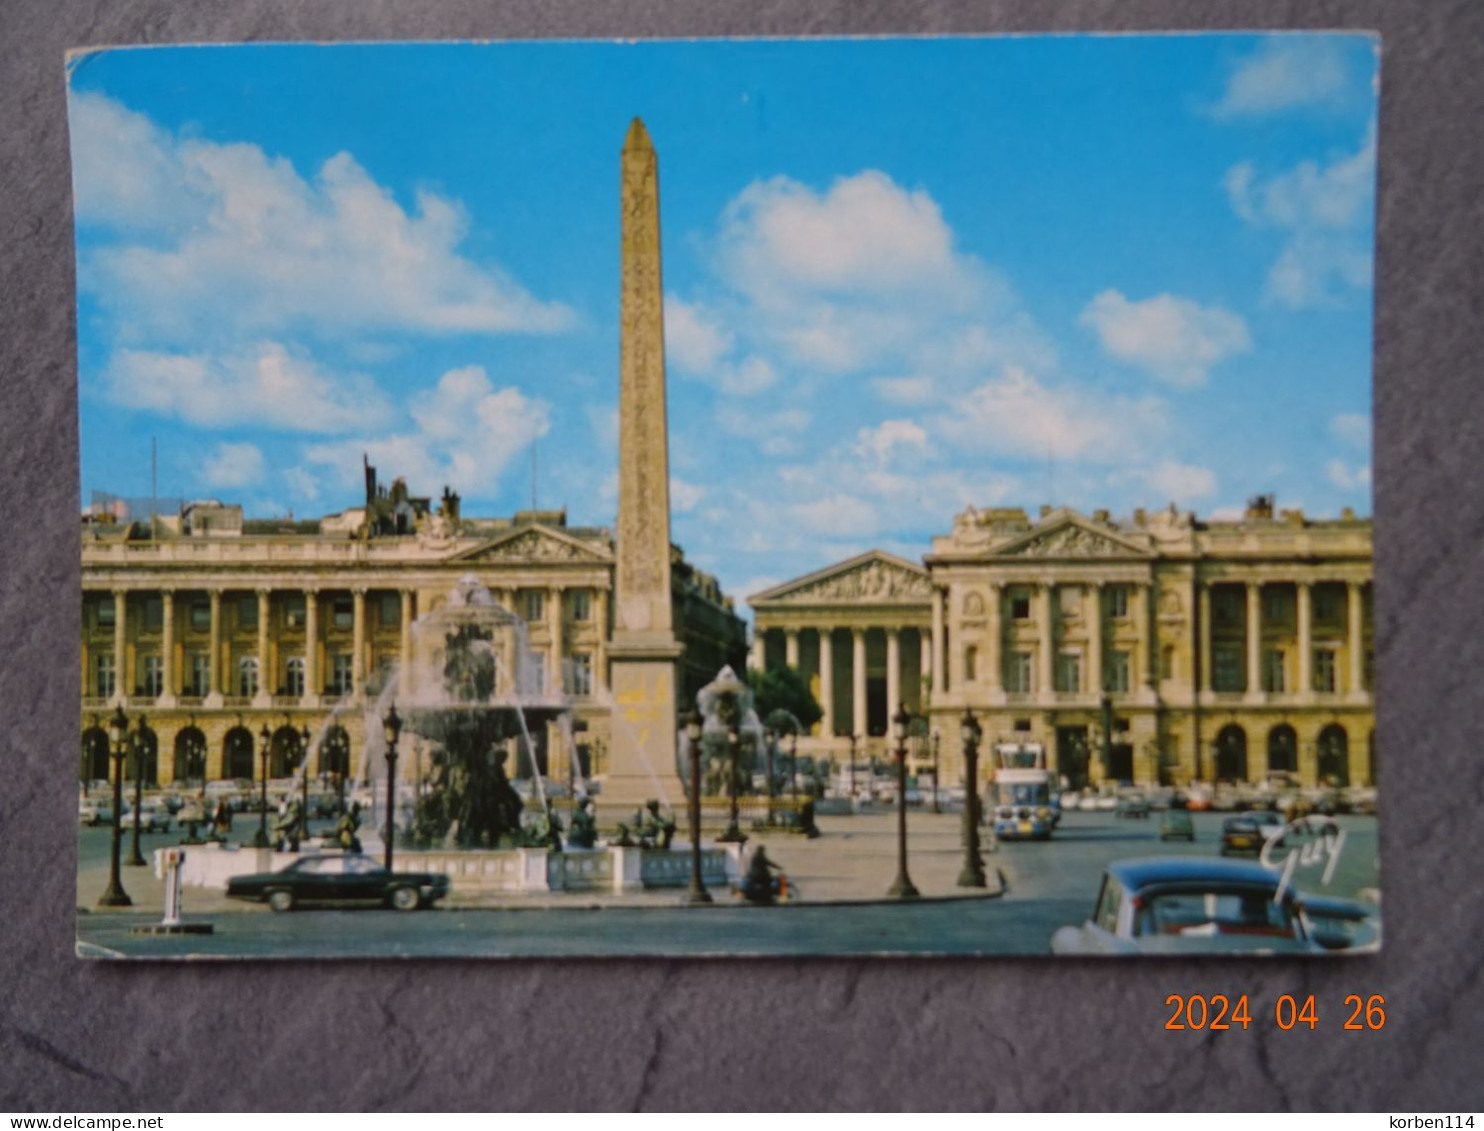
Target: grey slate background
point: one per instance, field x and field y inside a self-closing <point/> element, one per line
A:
<point x="83" y="1036"/>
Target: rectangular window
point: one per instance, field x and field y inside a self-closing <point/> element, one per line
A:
<point x="1226" y="670"/>
<point x="1118" y="601"/>
<point x="340" y="675"/>
<point x="1116" y="677"/>
<point x="105" y="612"/>
<point x="389" y="609"/>
<point x="533" y="605"/>
<point x="293" y="676"/>
<point x="1018" y="673"/>
<point x="104" y="677"/>
<point x="200" y="674"/>
<point x="293" y="610"/>
<point x="1167" y="662"/>
<point x="537" y="684"/>
<point x="247" y="676"/>
<point x="582" y="605"/>
<point x="343" y="613"/>
<point x="154" y="676"/>
<point x="580" y="675"/>
<point x="1020" y="604"/>
<point x="154" y="614"/>
<point x="1069" y="671"/>
<point x="1324" y="669"/>
<point x="971" y="664"/>
<point x="1326" y="604"/>
<point x="201" y="615"/>
<point x="1275" y="605"/>
<point x="1228" y="606"/>
<point x="247" y="612"/>
<point x="1274" y="676"/>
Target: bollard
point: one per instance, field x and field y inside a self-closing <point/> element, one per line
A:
<point x="168" y="863"/>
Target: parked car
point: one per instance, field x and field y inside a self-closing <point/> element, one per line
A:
<point x="96" y="811"/>
<point x="153" y="817"/>
<point x="1187" y="904"/>
<point x="1341" y="924"/>
<point x="1241" y="835"/>
<point x="1175" y="824"/>
<point x="1132" y="804"/>
<point x="339" y="879"/>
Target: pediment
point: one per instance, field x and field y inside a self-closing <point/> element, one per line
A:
<point x="872" y="578"/>
<point x="533" y="544"/>
<point x="1071" y="538"/>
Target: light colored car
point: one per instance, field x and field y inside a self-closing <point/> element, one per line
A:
<point x="96" y="810"/>
<point x="154" y="817"/>
<point x="1188" y="905"/>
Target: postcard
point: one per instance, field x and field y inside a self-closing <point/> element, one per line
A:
<point x="732" y="497"/>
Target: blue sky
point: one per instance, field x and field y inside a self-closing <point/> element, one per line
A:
<point x="901" y="276"/>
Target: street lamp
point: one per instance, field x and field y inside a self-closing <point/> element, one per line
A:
<point x="902" y="887"/>
<point x="392" y="727"/>
<point x="1107" y="705"/>
<point x="734" y="747"/>
<point x="698" y="892"/>
<point x="937" y="738"/>
<point x="195" y="766"/>
<point x="793" y="768"/>
<point x="972" y="875"/>
<point x="114" y="895"/>
<point x="852" y="767"/>
<point x="769" y="737"/>
<point x="265" y="740"/>
<point x="304" y="740"/>
<point x="136" y="860"/>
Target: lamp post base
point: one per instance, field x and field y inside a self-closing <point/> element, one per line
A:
<point x="903" y="888"/>
<point x="972" y="875"/>
<point x="733" y="835"/>
<point x="698" y="896"/>
<point x="115" y="896"/>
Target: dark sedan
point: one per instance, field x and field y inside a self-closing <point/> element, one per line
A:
<point x="1241" y="835"/>
<point x="339" y="879"/>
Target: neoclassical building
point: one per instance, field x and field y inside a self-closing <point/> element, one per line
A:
<point x="212" y="626"/>
<point x="1225" y="650"/>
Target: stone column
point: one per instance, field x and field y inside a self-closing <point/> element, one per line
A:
<point x="827" y="682"/>
<point x="312" y="683"/>
<point x="1094" y="597"/>
<point x="1305" y="640"/>
<point x="266" y="682"/>
<point x="994" y="658"/>
<point x="1356" y="619"/>
<point x="121" y="686"/>
<point x="167" y="648"/>
<point x="1203" y="599"/>
<point x="214" y="660"/>
<point x="858" y="681"/>
<point x="1254" y="639"/>
<point x="759" y="649"/>
<point x="1045" y="629"/>
<point x="893" y="671"/>
<point x="937" y="645"/>
<point x="791" y="647"/>
<point x="554" y="682"/>
<point x="600" y="651"/>
<point x="1143" y="641"/>
<point x="925" y="653"/>
<point x="358" y="643"/>
<point x="404" y="658"/>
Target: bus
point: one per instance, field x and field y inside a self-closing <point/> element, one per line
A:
<point x="1024" y="807"/>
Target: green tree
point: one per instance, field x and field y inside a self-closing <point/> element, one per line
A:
<point x="784" y="689"/>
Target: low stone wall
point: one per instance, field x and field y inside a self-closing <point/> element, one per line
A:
<point x="485" y="871"/>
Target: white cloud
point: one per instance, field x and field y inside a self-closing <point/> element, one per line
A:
<point x="603" y="420"/>
<point x="1346" y="476"/>
<point x="880" y="442"/>
<point x="466" y="432"/>
<point x="1174" y="339"/>
<point x="1180" y="482"/>
<point x="238" y="241"/>
<point x="1324" y="212"/>
<point x="1015" y="415"/>
<point x="303" y="482"/>
<point x="695" y="340"/>
<point x="685" y="496"/>
<point x="904" y="390"/>
<point x="234" y="465"/>
<point x="1352" y="428"/>
<point x="264" y="385"/>
<point x="1285" y="72"/>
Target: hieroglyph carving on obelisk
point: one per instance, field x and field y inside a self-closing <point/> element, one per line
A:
<point x="644" y="649"/>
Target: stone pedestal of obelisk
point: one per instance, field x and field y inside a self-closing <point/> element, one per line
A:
<point x="644" y="649"/>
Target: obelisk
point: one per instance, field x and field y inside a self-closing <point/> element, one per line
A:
<point x="644" y="648"/>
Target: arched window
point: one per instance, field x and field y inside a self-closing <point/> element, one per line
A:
<point x="94" y="766"/>
<point x="237" y="752"/>
<point x="247" y="676"/>
<point x="1334" y="756"/>
<point x="190" y="755"/>
<point x="334" y="751"/>
<point x="285" y="751"/>
<point x="1231" y="754"/>
<point x="1282" y="749"/>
